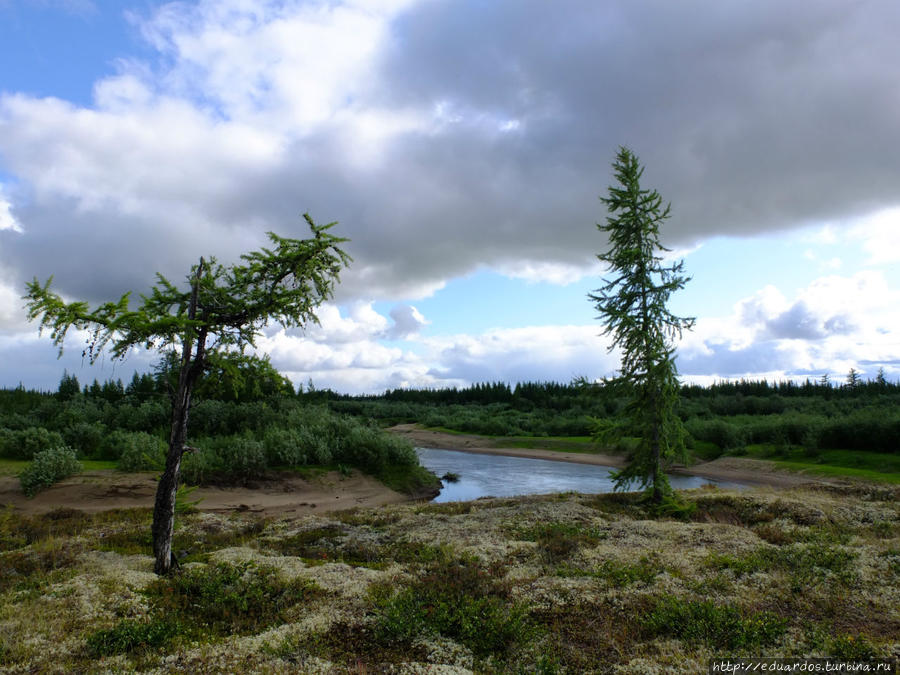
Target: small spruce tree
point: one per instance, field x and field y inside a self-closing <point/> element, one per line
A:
<point x="632" y="304"/>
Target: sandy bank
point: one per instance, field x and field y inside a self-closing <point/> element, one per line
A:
<point x="288" y="495"/>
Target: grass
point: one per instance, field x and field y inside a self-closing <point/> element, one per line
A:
<point x="560" y="443"/>
<point x="583" y="444"/>
<point x="876" y="466"/>
<point x="549" y="584"/>
<point x="841" y="471"/>
<point x="12" y="467"/>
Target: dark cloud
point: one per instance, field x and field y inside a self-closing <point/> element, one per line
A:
<point x="749" y="116"/>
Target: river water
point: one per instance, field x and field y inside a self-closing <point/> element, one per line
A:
<point x="501" y="476"/>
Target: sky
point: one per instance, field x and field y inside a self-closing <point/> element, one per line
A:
<point x="462" y="146"/>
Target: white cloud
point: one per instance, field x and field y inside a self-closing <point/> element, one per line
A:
<point x="833" y="324"/>
<point x="448" y="137"/>
<point x="408" y="321"/>
<point x="7" y="220"/>
<point x="445" y="136"/>
<point x="523" y="354"/>
<point x="560" y="274"/>
<point x="879" y="235"/>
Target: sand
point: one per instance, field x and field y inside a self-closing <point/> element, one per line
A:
<point x="285" y="496"/>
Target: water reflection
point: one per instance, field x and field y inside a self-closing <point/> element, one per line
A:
<point x="501" y="476"/>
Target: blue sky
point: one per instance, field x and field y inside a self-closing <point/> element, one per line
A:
<point x="463" y="152"/>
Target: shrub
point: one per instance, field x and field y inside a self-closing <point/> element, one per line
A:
<point x="232" y="458"/>
<point x="200" y="466"/>
<point x="229" y="598"/>
<point x="85" y="437"/>
<point x="26" y="443"/>
<point x="129" y="635"/>
<point x="242" y="456"/>
<point x="140" y="451"/>
<point x="284" y="447"/>
<point x="47" y="468"/>
<point x="724" y="434"/>
<point x="621" y="574"/>
<point x="458" y="599"/>
<point x="851" y="647"/>
<point x="719" y="626"/>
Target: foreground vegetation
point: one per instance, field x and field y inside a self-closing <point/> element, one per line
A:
<point x="556" y="584"/>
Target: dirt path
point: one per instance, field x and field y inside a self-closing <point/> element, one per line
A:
<point x="101" y="490"/>
<point x="732" y="469"/>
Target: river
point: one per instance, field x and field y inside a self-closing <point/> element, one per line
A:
<point x="501" y="476"/>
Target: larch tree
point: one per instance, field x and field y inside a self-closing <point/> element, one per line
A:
<point x="633" y="305"/>
<point x="222" y="310"/>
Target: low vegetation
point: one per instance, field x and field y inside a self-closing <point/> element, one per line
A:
<point x="236" y="441"/>
<point x="562" y="583"/>
<point x="47" y="468"/>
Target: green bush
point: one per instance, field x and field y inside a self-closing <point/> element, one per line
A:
<point x="199" y="466"/>
<point x="459" y="599"/>
<point x="86" y="437"/>
<point x="139" y="451"/>
<point x="719" y="626"/>
<point x="241" y="456"/>
<point x="229" y="458"/>
<point x="47" y="468"/>
<point x="284" y="447"/>
<point x="26" y="443"/>
<point x="129" y="635"/>
<point x="228" y="599"/>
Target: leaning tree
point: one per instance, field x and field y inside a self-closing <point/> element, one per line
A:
<point x="222" y="310"/>
<point x="632" y="304"/>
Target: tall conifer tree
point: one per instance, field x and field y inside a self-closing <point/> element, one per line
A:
<point x="633" y="306"/>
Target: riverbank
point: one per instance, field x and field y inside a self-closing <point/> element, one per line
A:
<point x="728" y="469"/>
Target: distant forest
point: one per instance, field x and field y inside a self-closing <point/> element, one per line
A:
<point x="250" y="402"/>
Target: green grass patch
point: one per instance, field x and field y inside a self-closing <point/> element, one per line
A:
<point x="559" y="541"/>
<point x="410" y="479"/>
<point x="207" y="602"/>
<point x="131" y="635"/>
<point x="459" y="599"/>
<point x="705" y="451"/>
<point x="877" y="466"/>
<point x="804" y="563"/>
<point x="99" y="465"/>
<point x="840" y="471"/>
<point x="12" y="467"/>
<point x="719" y="626"/>
<point x="619" y="574"/>
<point x="580" y="444"/>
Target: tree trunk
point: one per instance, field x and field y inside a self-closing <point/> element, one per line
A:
<point x="656" y="495"/>
<point x="164" y="507"/>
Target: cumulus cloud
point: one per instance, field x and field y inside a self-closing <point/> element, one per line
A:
<point x="447" y="136"/>
<point x="7" y="220"/>
<point x="408" y="321"/>
<point x="880" y="236"/>
<point x="833" y="324"/>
